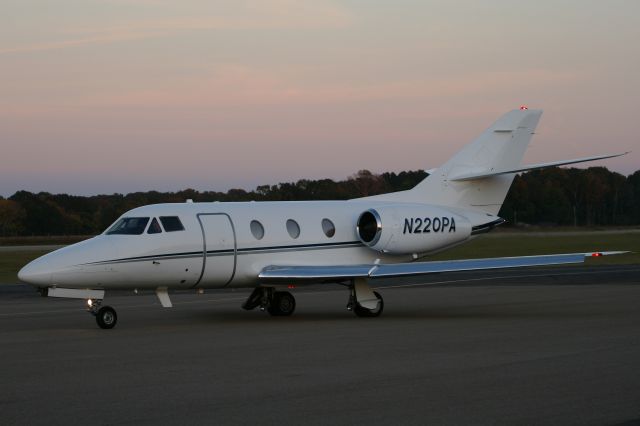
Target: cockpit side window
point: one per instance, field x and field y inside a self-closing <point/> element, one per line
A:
<point x="154" y="227"/>
<point x="171" y="223"/>
<point x="129" y="226"/>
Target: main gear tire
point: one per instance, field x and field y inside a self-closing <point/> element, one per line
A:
<point x="282" y="304"/>
<point x="369" y="313"/>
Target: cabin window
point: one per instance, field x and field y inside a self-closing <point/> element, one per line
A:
<point x="171" y="223"/>
<point x="257" y="229"/>
<point x="328" y="228"/>
<point x="129" y="226"/>
<point x="293" y="228"/>
<point x="154" y="227"/>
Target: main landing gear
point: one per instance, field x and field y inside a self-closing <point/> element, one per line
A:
<point x="277" y="303"/>
<point x="106" y="316"/>
<point x="361" y="311"/>
<point x="363" y="301"/>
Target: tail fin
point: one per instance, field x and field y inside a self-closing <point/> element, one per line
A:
<point x="500" y="147"/>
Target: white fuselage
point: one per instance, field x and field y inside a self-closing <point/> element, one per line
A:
<point x="217" y="247"/>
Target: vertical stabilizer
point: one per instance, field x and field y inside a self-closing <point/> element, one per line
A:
<point x="500" y="147"/>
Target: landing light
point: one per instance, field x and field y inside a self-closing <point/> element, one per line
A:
<point x="89" y="302"/>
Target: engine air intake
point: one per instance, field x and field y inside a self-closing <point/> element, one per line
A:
<point x="369" y="227"/>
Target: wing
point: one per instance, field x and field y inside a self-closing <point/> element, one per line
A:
<point x="340" y="273"/>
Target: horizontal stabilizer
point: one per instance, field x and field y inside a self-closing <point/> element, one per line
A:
<point x="341" y="273"/>
<point x="489" y="173"/>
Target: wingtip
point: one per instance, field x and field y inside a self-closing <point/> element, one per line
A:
<point x="605" y="253"/>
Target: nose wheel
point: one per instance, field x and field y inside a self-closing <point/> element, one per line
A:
<point x="106" y="316"/>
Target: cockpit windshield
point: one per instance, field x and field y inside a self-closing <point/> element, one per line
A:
<point x="129" y="226"/>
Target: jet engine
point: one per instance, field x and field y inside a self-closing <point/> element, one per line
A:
<point x="409" y="229"/>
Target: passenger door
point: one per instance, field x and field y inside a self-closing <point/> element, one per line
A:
<point x="219" y="253"/>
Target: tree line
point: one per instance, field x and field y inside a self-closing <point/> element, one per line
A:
<point x="573" y="197"/>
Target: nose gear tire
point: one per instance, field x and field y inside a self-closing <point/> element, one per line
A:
<point x="106" y="317"/>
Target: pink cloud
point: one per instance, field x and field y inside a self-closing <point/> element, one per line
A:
<point x="240" y="85"/>
<point x="257" y="15"/>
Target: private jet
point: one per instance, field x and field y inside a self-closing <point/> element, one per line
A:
<point x="271" y="247"/>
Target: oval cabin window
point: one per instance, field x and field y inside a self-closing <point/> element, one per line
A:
<point x="257" y="229"/>
<point x="293" y="228"/>
<point x="328" y="228"/>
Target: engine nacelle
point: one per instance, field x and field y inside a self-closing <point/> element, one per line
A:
<point x="408" y="229"/>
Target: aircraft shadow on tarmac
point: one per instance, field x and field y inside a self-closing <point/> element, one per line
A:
<point x="485" y="312"/>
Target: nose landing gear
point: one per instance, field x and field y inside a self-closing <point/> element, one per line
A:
<point x="106" y="316"/>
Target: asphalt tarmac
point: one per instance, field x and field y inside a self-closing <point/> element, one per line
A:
<point x="536" y="346"/>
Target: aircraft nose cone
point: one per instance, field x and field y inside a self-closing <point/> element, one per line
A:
<point x="64" y="267"/>
<point x="35" y="273"/>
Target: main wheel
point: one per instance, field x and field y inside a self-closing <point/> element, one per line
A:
<point x="106" y="317"/>
<point x="364" y="312"/>
<point x="282" y="304"/>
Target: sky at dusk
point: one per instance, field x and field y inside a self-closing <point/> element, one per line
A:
<point x="105" y="96"/>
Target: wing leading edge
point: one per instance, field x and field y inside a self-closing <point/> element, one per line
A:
<point x="339" y="273"/>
